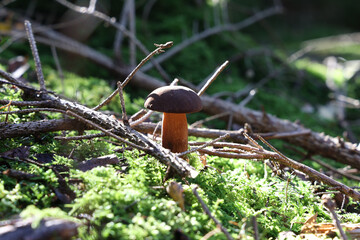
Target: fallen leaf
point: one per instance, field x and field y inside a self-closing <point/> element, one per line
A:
<point x="176" y="192"/>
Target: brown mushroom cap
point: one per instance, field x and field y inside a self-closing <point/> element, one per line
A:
<point x="173" y="99"/>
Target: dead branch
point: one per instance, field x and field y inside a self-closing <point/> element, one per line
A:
<point x="36" y="127"/>
<point x="35" y="53"/>
<point x="159" y="48"/>
<point x="330" y="205"/>
<point x="204" y="145"/>
<point x="207" y="211"/>
<point x="318" y="143"/>
<point x="104" y="122"/>
<point x="212" y="78"/>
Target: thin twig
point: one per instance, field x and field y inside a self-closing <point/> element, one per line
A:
<point x="119" y="34"/>
<point x="132" y="28"/>
<point x="271" y="147"/>
<point x="157" y="126"/>
<point x="244" y="147"/>
<point x="142" y="119"/>
<point x="10" y="78"/>
<point x="330" y="204"/>
<point x="328" y="166"/>
<point x="7" y="105"/>
<point x="122" y="102"/>
<point x="251" y="140"/>
<point x="211" y="233"/>
<point x="202" y="121"/>
<point x="213" y="77"/>
<point x="207" y="211"/>
<point x="137" y="115"/>
<point x="107" y="132"/>
<point x="256" y="229"/>
<point x="159" y="49"/>
<point x="58" y="67"/>
<point x="8" y="108"/>
<point x="249" y="156"/>
<point x="204" y="145"/>
<point x="39" y="72"/>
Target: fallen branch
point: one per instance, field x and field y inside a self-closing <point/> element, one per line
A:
<point x="207" y="211"/>
<point x="104" y="122"/>
<point x="262" y="154"/>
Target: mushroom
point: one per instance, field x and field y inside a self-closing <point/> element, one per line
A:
<point x="175" y="102"/>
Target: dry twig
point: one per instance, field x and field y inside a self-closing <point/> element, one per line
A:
<point x="35" y="53"/>
<point x="213" y="77"/>
<point x="207" y="211"/>
<point x="159" y="48"/>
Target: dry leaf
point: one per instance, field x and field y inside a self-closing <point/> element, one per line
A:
<point x="203" y="160"/>
<point x="176" y="192"/>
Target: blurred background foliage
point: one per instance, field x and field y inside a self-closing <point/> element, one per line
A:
<point x="302" y="91"/>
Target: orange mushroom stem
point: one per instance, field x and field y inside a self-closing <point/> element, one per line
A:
<point x="175" y="132"/>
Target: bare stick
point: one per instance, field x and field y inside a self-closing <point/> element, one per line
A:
<point x="132" y="27"/>
<point x="7" y="105"/>
<point x="119" y="34"/>
<point x="137" y="115"/>
<point x="207" y="211"/>
<point x="154" y="133"/>
<point x="10" y="78"/>
<point x="122" y="102"/>
<point x="256" y="229"/>
<point x="330" y="205"/>
<point x="251" y="156"/>
<point x="251" y="140"/>
<point x="159" y="49"/>
<point x="244" y="147"/>
<point x="39" y="73"/>
<point x="200" y="122"/>
<point x="105" y="131"/>
<point x="92" y="6"/>
<point x="325" y="165"/>
<point x="204" y="145"/>
<point x="211" y="233"/>
<point x="58" y="67"/>
<point x="142" y="119"/>
<point x="8" y="108"/>
<point x="213" y="77"/>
